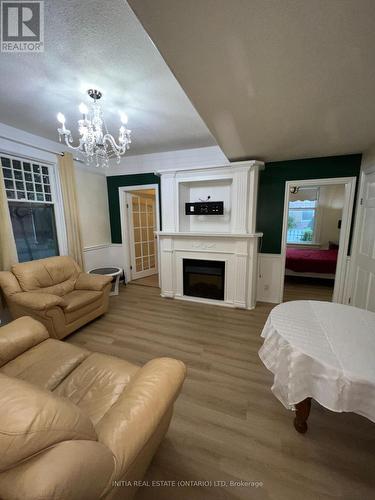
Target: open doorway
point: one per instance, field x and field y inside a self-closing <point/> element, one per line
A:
<point x="317" y="219"/>
<point x="140" y="223"/>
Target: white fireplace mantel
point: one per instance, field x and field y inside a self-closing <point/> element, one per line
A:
<point x="230" y="237"/>
<point x="211" y="235"/>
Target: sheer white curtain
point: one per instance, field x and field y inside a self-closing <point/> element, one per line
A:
<point x="71" y="209"/>
<point x="8" y="250"/>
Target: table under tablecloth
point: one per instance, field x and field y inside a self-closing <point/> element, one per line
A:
<point x="322" y="350"/>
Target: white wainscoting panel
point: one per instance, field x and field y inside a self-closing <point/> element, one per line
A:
<point x="269" y="286"/>
<point x="106" y="255"/>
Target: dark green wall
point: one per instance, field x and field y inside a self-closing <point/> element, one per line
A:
<point x="113" y="183"/>
<point x="270" y="195"/>
<point x="272" y="189"/>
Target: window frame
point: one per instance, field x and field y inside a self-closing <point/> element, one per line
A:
<point x="56" y="195"/>
<point x="316" y="228"/>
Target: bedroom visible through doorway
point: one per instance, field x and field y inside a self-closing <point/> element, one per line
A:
<point x="316" y="214"/>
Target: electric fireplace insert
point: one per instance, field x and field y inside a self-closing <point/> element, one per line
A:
<point x="204" y="278"/>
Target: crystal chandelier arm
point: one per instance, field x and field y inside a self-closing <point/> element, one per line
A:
<point x="109" y="138"/>
<point x="68" y="141"/>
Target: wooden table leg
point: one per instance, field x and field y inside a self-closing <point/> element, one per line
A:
<point x="302" y="414"/>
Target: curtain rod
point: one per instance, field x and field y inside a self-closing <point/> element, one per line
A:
<point x="59" y="153"/>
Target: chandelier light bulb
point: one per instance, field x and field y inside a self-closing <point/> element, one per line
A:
<point x="124" y="118"/>
<point x="83" y="109"/>
<point x="61" y="118"/>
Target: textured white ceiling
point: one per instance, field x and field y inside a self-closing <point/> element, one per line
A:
<point x="101" y="43"/>
<point x="273" y="79"/>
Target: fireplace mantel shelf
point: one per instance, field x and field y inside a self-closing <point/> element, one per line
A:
<point x="209" y="235"/>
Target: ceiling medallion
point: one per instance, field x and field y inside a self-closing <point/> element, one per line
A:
<point x="95" y="143"/>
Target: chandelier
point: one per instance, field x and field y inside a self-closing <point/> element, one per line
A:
<point x="95" y="143"/>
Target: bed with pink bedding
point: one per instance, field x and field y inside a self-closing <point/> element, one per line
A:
<point x="311" y="261"/>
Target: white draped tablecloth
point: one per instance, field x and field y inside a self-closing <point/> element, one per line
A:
<point x="324" y="351"/>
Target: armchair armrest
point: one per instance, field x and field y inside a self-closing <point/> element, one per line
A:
<point x="19" y="336"/>
<point x="132" y="420"/>
<point x="38" y="301"/>
<point x="93" y="282"/>
<point x="9" y="283"/>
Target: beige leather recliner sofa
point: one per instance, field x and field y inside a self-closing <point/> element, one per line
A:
<point x="76" y="425"/>
<point x="56" y="292"/>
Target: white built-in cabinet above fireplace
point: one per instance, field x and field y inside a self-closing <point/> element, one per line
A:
<point x="193" y="191"/>
<point x="230" y="237"/>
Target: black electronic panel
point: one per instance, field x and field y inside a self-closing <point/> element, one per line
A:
<point x="205" y="208"/>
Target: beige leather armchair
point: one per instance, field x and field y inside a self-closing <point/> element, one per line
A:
<point x="74" y="424"/>
<point x="55" y="292"/>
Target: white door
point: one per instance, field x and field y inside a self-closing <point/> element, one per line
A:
<point x="142" y="225"/>
<point x="364" y="258"/>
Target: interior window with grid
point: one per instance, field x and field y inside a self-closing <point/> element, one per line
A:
<point x="31" y="207"/>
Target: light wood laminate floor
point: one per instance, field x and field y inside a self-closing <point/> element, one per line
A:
<point x="307" y="290"/>
<point x="152" y="280"/>
<point x="227" y="424"/>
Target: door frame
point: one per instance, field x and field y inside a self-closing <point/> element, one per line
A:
<point x="357" y="228"/>
<point x="135" y="275"/>
<point x="125" y="232"/>
<point x="347" y="214"/>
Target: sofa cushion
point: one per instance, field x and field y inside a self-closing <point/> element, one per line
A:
<point x="19" y="336"/>
<point x="80" y="298"/>
<point x="96" y="384"/>
<point x="46" y="364"/>
<point x="33" y="419"/>
<point x="71" y="470"/>
<point x="56" y="275"/>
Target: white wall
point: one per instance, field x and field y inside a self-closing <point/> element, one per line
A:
<point x="93" y="208"/>
<point x="331" y="203"/>
<point x="94" y="218"/>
